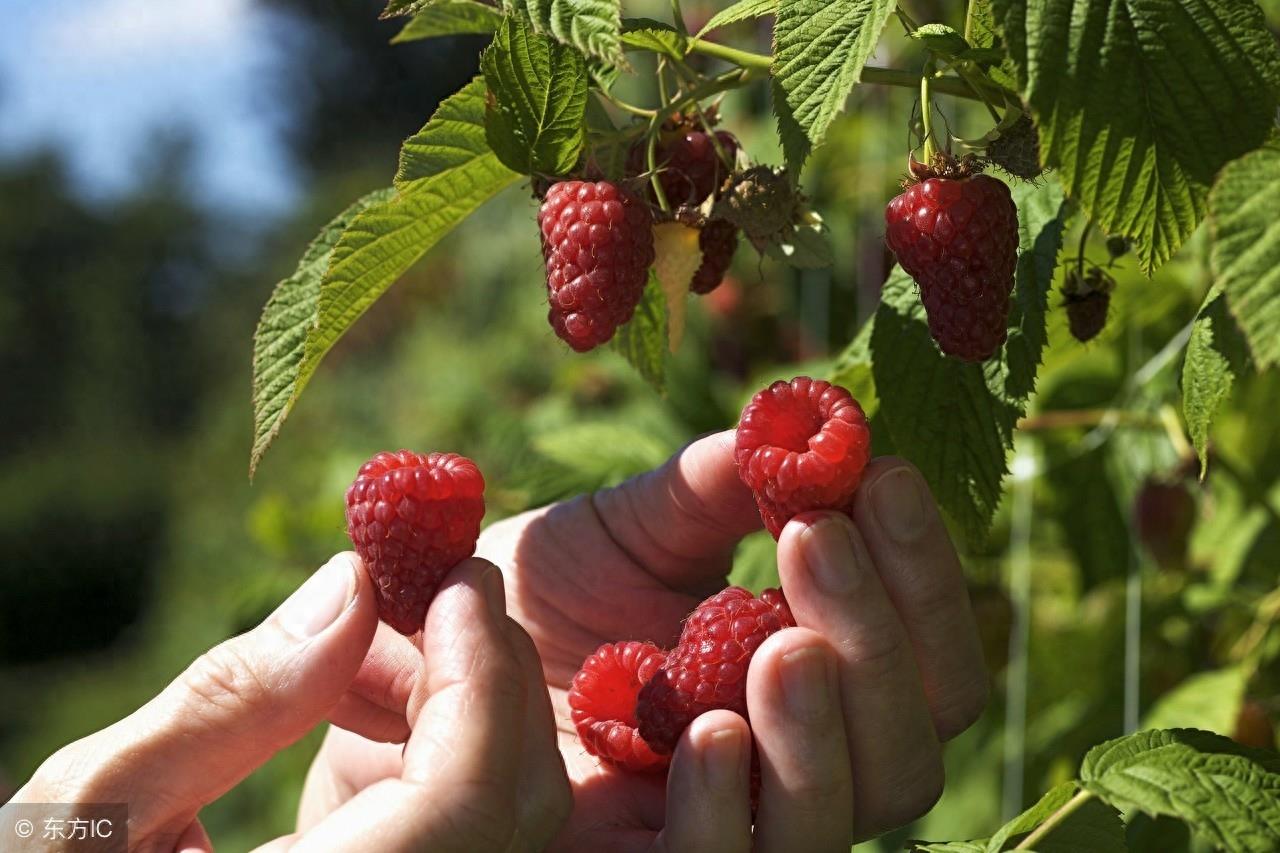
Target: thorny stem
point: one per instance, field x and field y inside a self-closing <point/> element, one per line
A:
<point x="1051" y="823"/>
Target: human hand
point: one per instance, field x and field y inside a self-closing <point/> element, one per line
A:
<point x="848" y="710"/>
<point x="479" y="744"/>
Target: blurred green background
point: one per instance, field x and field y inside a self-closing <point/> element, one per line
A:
<point x="132" y="538"/>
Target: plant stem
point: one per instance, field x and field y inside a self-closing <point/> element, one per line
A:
<point x="1084" y="238"/>
<point x="651" y="164"/>
<point x="691" y="79"/>
<point x="678" y="18"/>
<point x="741" y="58"/>
<point x="624" y="106"/>
<point x="926" y="112"/>
<point x="1051" y="823"/>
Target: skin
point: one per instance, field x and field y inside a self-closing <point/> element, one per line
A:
<point x="848" y="711"/>
<point x="459" y="738"/>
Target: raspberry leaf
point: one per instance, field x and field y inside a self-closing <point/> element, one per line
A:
<point x="643" y="341"/>
<point x="648" y="34"/>
<point x="819" y="49"/>
<point x="1139" y="104"/>
<point x="535" y="115"/>
<point x="1216" y="355"/>
<point x="1228" y="794"/>
<point x="955" y="421"/>
<point x="1246" y="247"/>
<point x="591" y="26"/>
<point x="743" y="10"/>
<point x="1079" y="823"/>
<point x="444" y="19"/>
<point x="1208" y="700"/>
<point x="280" y="340"/>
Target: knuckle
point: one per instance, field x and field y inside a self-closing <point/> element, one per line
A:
<point x="223" y="682"/>
<point x="877" y="653"/>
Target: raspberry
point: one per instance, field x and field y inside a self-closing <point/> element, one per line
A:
<point x="1087" y="299"/>
<point x="602" y="699"/>
<point x="761" y="201"/>
<point x="1164" y="512"/>
<point x="1017" y="150"/>
<point x="412" y="517"/>
<point x="801" y="446"/>
<point x="708" y="667"/>
<point x="718" y="240"/>
<point x="689" y="168"/>
<point x="956" y="234"/>
<point x="597" y="242"/>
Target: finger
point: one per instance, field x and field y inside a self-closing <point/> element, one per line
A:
<point x="544" y="798"/>
<point x="236" y="705"/>
<point x="833" y="588"/>
<point x="708" y="789"/>
<point x="390" y="671"/>
<point x="806" y="790"/>
<point x="360" y="716"/>
<point x="906" y="538"/>
<point x="345" y="765"/>
<point x="683" y="520"/>
<point x="458" y="787"/>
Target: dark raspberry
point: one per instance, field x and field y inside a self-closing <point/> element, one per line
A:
<point x="1087" y="299"/>
<point x="708" y="668"/>
<point x="801" y="446"/>
<point x="1253" y="726"/>
<point x="956" y="234"/>
<point x="761" y="201"/>
<point x="602" y="702"/>
<point x="1164" y="512"/>
<point x="718" y="240"/>
<point x="597" y="241"/>
<point x="412" y="517"/>
<point x="689" y="168"/>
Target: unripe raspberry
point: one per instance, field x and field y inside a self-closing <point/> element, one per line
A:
<point x="597" y="241"/>
<point x="718" y="240"/>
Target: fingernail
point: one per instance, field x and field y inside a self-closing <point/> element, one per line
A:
<point x="722" y="758"/>
<point x="898" y="502"/>
<point x="318" y="603"/>
<point x="495" y="594"/>
<point x="828" y="552"/>
<point x="805" y="686"/>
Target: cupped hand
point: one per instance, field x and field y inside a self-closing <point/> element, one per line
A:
<point x="478" y="770"/>
<point x="848" y="710"/>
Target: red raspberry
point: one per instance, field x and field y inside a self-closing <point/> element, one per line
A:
<point x="718" y="240"/>
<point x="412" y="518"/>
<point x="801" y="446"/>
<point x="708" y="667"/>
<point x="602" y="700"/>
<point x="956" y="234"/>
<point x="689" y="168"/>
<point x="1164" y="515"/>
<point x="598" y="244"/>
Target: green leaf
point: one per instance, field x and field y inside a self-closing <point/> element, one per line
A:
<point x="819" y="48"/>
<point x="1216" y="356"/>
<point x="805" y="246"/>
<point x="279" y="342"/>
<point x="396" y="8"/>
<point x="647" y="34"/>
<point x="852" y="369"/>
<point x="1140" y="102"/>
<point x="446" y="19"/>
<point x="1082" y="824"/>
<point x="1246" y="247"/>
<point x="591" y="26"/>
<point x="1207" y="700"/>
<point x="743" y="10"/>
<point x="955" y="421"/>
<point x="535" y="116"/>
<point x="446" y="172"/>
<point x="1229" y="794"/>
<point x="947" y="846"/>
<point x="643" y="340"/>
<point x="605" y="451"/>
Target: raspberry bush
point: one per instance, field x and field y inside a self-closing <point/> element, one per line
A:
<point x="1133" y="133"/>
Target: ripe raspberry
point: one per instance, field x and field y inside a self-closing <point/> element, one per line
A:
<point x="718" y="240"/>
<point x="412" y="517"/>
<point x="1164" y="512"/>
<point x="956" y="234"/>
<point x="801" y="446"/>
<point x="1087" y="299"/>
<point x="602" y="699"/>
<point x="597" y="242"/>
<point x="689" y="168"/>
<point x="708" y="667"/>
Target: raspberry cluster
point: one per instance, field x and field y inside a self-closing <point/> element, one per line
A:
<point x="597" y="241"/>
<point x="412" y="517"/>
<point x="631" y="701"/>
<point x="956" y="233"/>
<point x="801" y="446"/>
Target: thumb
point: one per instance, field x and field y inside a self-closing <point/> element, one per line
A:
<point x="240" y="702"/>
